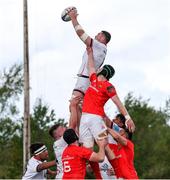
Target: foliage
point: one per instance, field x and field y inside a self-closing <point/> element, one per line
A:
<point x="11" y="86"/>
<point x="11" y="139"/>
<point x="151" y="138"/>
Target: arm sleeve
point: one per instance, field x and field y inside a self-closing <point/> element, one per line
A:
<point x="110" y="90"/>
<point x="34" y="166"/>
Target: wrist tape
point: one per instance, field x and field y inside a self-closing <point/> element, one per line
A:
<point x="83" y="37"/>
<point x="78" y="27"/>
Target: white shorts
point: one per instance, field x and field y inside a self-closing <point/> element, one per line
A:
<point x="91" y="126"/>
<point x="82" y="84"/>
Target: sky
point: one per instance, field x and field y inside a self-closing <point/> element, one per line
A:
<point x="139" y="49"/>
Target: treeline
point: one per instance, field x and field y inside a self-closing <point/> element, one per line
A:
<point x="151" y="138"/>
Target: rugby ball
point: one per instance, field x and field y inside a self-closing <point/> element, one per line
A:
<point x="64" y="15"/>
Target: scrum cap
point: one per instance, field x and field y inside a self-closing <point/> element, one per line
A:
<point x="107" y="71"/>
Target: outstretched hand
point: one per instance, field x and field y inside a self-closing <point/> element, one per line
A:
<point x="130" y="125"/>
<point x="72" y="13"/>
<point x="102" y="142"/>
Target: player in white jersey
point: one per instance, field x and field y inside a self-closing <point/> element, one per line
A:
<point x="37" y="167"/>
<point x="57" y="131"/>
<point x="59" y="145"/>
<point x="99" y="44"/>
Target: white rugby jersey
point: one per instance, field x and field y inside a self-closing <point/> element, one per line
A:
<point x="104" y="167"/>
<point x="31" y="171"/>
<point x="59" y="147"/>
<point x="99" y="53"/>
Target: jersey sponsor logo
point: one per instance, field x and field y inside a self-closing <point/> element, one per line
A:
<point x="68" y="158"/>
<point x="110" y="89"/>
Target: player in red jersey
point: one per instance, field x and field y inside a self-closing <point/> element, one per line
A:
<point x="74" y="157"/>
<point x="124" y="153"/>
<point x="99" y="92"/>
<point x="57" y="131"/>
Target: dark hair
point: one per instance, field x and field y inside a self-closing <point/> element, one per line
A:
<point x="107" y="71"/>
<point x="107" y="36"/>
<point x="54" y="127"/>
<point x="35" y="146"/>
<point x="70" y="136"/>
<point x="129" y="134"/>
<point x="121" y="117"/>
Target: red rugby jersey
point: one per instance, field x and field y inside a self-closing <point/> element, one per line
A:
<point x="97" y="95"/>
<point x="125" y="158"/>
<point x="129" y="153"/>
<point x="74" y="162"/>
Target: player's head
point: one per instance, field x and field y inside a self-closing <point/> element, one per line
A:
<point x="40" y="150"/>
<point x="103" y="37"/>
<point x="70" y="136"/>
<point x="57" y="131"/>
<point x="120" y="120"/>
<point x="107" y="36"/>
<point x="107" y="71"/>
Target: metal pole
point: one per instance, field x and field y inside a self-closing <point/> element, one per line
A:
<point x="26" y="125"/>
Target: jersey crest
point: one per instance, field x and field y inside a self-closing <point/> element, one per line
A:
<point x="110" y="89"/>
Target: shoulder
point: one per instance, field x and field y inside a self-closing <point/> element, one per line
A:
<point x="99" y="44"/>
<point x="33" y="163"/>
<point x="85" y="152"/>
<point x="59" y="142"/>
<point x="109" y="87"/>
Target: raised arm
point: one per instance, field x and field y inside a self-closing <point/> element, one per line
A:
<point x="73" y="112"/>
<point x="117" y="136"/>
<point x="129" y="122"/>
<point x="99" y="157"/>
<point x="107" y="121"/>
<point x="91" y="66"/>
<point x="79" y="30"/>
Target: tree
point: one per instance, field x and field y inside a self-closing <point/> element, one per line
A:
<point x="11" y="139"/>
<point x="151" y="138"/>
<point x="11" y="87"/>
<point x="11" y="125"/>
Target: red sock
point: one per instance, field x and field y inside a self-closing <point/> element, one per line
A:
<point x="96" y="169"/>
<point x="115" y="165"/>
